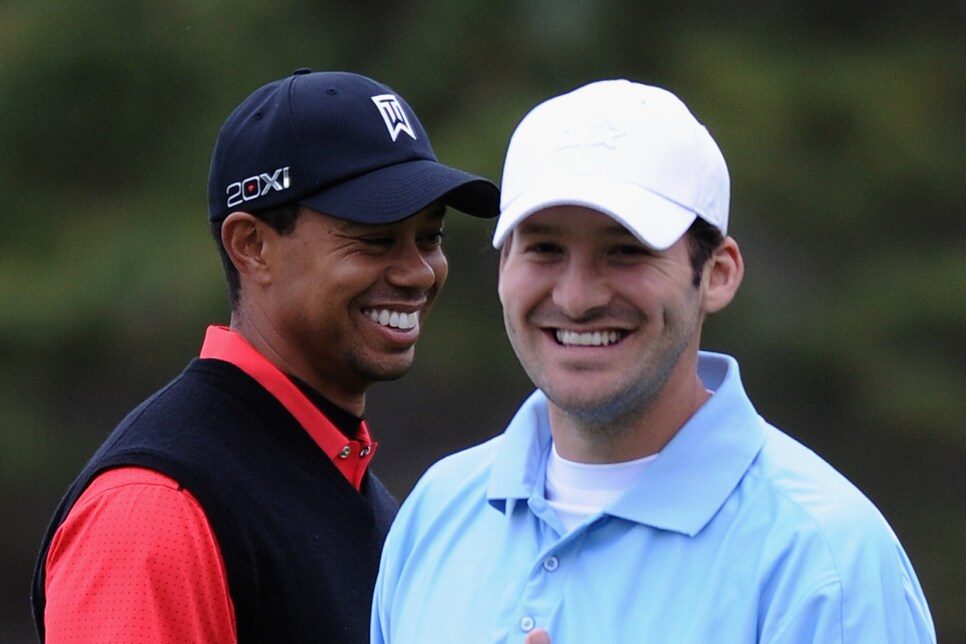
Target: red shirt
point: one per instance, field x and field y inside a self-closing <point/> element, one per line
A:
<point x="136" y="559"/>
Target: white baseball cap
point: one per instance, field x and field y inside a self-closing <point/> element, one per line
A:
<point x="631" y="151"/>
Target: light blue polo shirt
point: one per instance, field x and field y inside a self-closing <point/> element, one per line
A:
<point x="736" y="533"/>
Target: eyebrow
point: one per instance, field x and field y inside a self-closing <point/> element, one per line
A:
<point x="613" y="229"/>
<point x="438" y="211"/>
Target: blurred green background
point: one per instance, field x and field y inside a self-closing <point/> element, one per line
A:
<point x="843" y="125"/>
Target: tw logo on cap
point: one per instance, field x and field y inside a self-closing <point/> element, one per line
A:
<point x="394" y="115"/>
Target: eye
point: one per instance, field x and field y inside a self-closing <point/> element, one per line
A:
<point x="631" y="251"/>
<point x="543" y="248"/>
<point x="377" y="242"/>
<point x="432" y="239"/>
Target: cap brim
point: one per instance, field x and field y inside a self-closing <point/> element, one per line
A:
<point x="655" y="220"/>
<point x="399" y="191"/>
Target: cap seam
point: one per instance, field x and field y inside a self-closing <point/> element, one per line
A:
<point x="297" y="143"/>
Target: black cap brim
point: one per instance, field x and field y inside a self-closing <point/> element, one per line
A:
<point x="399" y="191"/>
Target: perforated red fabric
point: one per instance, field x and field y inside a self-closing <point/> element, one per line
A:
<point x="136" y="561"/>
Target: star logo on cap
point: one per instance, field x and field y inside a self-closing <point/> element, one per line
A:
<point x="602" y="134"/>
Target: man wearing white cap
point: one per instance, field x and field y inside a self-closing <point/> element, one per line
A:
<point x="637" y="495"/>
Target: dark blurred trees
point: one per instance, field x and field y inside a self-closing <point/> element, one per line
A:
<point x="843" y="126"/>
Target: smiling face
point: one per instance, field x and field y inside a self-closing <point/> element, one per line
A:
<point x="340" y="304"/>
<point x="605" y="326"/>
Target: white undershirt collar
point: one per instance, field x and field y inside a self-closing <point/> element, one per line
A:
<point x="576" y="491"/>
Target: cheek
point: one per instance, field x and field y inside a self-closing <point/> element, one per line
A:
<point x="525" y="286"/>
<point x="508" y="285"/>
<point x="518" y="299"/>
<point x="506" y="292"/>
<point x="440" y="267"/>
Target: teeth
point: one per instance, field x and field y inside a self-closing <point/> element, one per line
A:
<point x="394" y="319"/>
<point x="595" y="339"/>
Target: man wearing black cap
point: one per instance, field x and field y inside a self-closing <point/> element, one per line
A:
<point x="236" y="504"/>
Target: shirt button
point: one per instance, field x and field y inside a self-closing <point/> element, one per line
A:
<point x="551" y="563"/>
<point x="527" y="624"/>
<point x="345" y="452"/>
<point x="365" y="451"/>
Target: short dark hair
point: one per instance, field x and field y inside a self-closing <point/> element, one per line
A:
<point x="280" y="218"/>
<point x="703" y="239"/>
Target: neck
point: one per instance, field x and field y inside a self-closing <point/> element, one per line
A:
<point x="289" y="360"/>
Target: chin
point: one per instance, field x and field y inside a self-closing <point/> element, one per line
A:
<point x="598" y="406"/>
<point x="389" y="372"/>
<point x="576" y="401"/>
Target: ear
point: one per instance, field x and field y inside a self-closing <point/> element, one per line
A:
<point x="722" y="276"/>
<point x="243" y="236"/>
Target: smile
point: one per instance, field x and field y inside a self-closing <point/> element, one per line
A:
<point x="588" y="339"/>
<point x="394" y="319"/>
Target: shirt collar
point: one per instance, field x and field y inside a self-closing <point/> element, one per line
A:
<point x="520" y="463"/>
<point x="684" y="487"/>
<point x="350" y="456"/>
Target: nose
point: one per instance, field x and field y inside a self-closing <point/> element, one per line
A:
<point x="581" y="289"/>
<point x="415" y="268"/>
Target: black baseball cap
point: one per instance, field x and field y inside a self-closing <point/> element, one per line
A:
<point x="339" y="143"/>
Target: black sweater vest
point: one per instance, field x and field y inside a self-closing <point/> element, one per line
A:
<point x="301" y="546"/>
